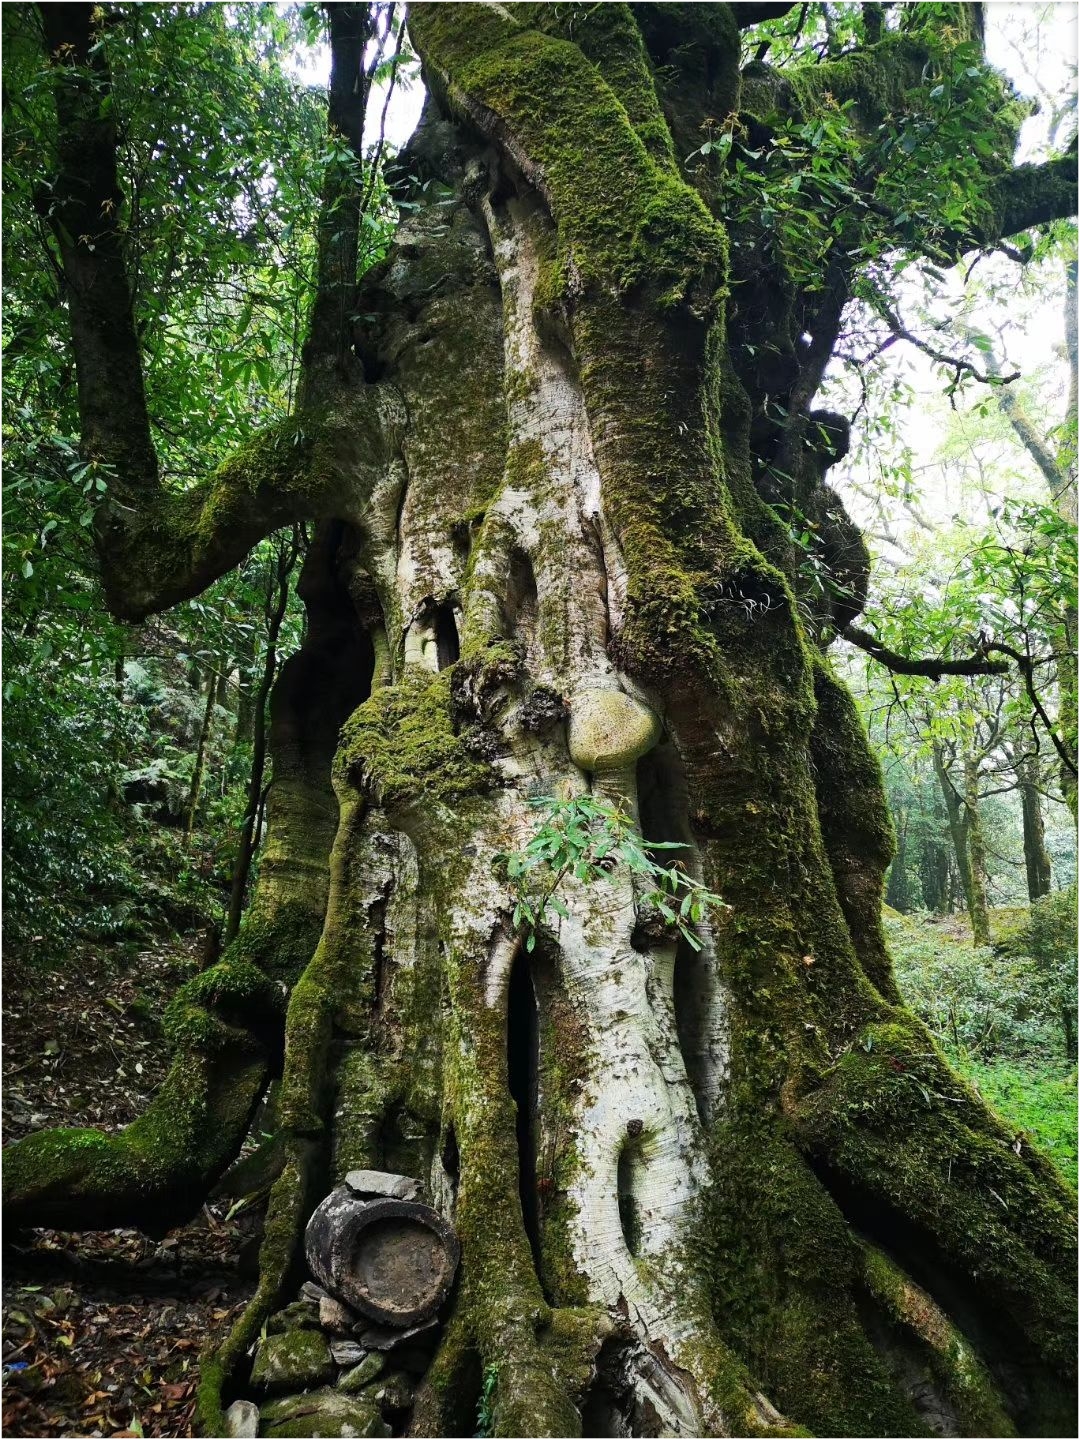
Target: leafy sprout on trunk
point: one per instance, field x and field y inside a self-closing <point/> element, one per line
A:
<point x="586" y="838"/>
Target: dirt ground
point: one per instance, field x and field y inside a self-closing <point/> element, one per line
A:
<point x="102" y="1330"/>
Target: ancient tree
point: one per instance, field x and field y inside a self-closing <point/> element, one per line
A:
<point x="549" y="452"/>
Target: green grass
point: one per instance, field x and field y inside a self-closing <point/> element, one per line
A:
<point x="1035" y="1100"/>
<point x="995" y="1011"/>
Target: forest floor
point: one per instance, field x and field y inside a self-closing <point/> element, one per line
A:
<point x="102" y="1330"/>
<point x="978" y="1004"/>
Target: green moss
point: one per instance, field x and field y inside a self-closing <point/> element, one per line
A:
<point x="876" y="79"/>
<point x="501" y="1319"/>
<point x="457" y="411"/>
<point x="779" y="1263"/>
<point x="279" y="938"/>
<point x="262" y="461"/>
<point x="292" y="1360"/>
<point x="402" y="744"/>
<point x="609" y="36"/>
<point x="234" y="990"/>
<point x="854" y="819"/>
<point x="897" y="1123"/>
<point x="322" y="1412"/>
<point x="623" y="220"/>
<point x="950" y="1361"/>
<point x="153" y="1174"/>
<point x="565" y="1063"/>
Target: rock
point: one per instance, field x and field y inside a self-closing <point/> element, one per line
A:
<point x="395" y="1394"/>
<point x="300" y="1315"/>
<point x="347" y="1352"/>
<point x="323" y="1412"/>
<point x="242" y="1419"/>
<point x="369" y="1369"/>
<point x="310" y="1291"/>
<point x="381" y="1182"/>
<point x="610" y="729"/>
<point x="381" y="1337"/>
<point x="335" y="1317"/>
<point x="15" y="1320"/>
<point x="292" y="1361"/>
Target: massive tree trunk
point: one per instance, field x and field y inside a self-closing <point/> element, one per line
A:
<point x="721" y="1191"/>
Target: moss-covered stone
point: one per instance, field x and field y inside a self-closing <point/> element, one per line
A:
<point x="323" y="1413"/>
<point x="300" y="1315"/>
<point x="364" y="1374"/>
<point x="291" y="1360"/>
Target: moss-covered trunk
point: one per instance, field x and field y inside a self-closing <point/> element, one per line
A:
<point x="1036" y="857"/>
<point x="969" y="847"/>
<point x="723" y="1191"/>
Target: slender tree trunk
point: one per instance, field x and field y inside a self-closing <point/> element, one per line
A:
<point x="1059" y="469"/>
<point x="934" y="875"/>
<point x="897" y="893"/>
<point x="1036" y="858"/>
<point x="962" y="811"/>
<point x="1065" y="498"/>
<point x="276" y="607"/>
<point x="976" y="848"/>
<point x="245" y="691"/>
<point x="191" y="808"/>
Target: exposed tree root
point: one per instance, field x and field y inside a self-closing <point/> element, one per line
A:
<point x="225" y="1026"/>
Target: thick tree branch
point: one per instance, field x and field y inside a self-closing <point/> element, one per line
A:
<point x="933" y="669"/>
<point x="328" y="353"/>
<point x="158" y="546"/>
<point x="753" y="14"/>
<point x="1034" y="195"/>
<point x="170" y="546"/>
<point x="82" y="207"/>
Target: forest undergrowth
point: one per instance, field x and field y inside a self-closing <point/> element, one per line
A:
<point x="103" y="1330"/>
<point x="988" y="1008"/>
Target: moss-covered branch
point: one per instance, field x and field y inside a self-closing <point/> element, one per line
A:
<point x="225" y="1028"/>
<point x="933" y="668"/>
<point x="159" y="547"/>
<point x="1034" y="195"/>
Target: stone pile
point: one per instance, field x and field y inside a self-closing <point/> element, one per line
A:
<point x="346" y="1356"/>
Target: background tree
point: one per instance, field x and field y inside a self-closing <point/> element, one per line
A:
<point x="557" y="451"/>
